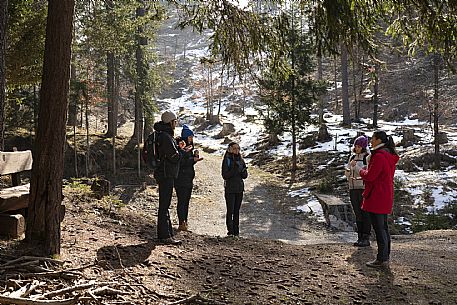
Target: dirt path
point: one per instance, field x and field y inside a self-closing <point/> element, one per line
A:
<point x="267" y="211"/>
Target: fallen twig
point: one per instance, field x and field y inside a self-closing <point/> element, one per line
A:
<point x="65" y="290"/>
<point x="107" y="291"/>
<point x="23" y="301"/>
<point x="184" y="301"/>
<point x="33" y="258"/>
<point x="18" y="266"/>
<point x="52" y="274"/>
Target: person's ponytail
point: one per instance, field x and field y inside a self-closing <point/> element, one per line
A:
<point x="387" y="140"/>
<point x="391" y="145"/>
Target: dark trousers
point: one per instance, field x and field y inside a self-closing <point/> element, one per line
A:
<point x="164" y="228"/>
<point x="183" y="193"/>
<point x="380" y="227"/>
<point x="232" y="220"/>
<point x="362" y="218"/>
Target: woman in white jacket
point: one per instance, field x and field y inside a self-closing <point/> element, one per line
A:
<point x="356" y="186"/>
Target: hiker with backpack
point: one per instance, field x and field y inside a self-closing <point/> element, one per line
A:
<point x="186" y="175"/>
<point x="356" y="187"/>
<point x="165" y="173"/>
<point x="234" y="171"/>
<point x="378" y="196"/>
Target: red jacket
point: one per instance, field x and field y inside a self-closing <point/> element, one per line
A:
<point x="378" y="196"/>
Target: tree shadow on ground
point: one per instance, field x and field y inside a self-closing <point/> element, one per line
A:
<point x="267" y="212"/>
<point x="119" y="256"/>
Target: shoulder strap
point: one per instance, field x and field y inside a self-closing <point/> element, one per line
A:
<point x="228" y="162"/>
<point x="365" y="159"/>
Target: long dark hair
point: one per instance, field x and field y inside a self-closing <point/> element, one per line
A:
<point x="387" y="140"/>
<point x="228" y="147"/>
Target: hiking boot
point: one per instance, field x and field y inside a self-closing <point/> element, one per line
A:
<point x="378" y="264"/>
<point x="363" y="243"/>
<point x="357" y="243"/>
<point x="183" y="226"/>
<point x="170" y="241"/>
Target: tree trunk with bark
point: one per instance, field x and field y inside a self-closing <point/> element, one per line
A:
<point x="321" y="98"/>
<point x="3" y="27"/>
<point x="110" y="72"/>
<point x="376" y="95"/>
<point x="43" y="221"/>
<point x="345" y="86"/>
<point x="436" y="128"/>
<point x="141" y="74"/>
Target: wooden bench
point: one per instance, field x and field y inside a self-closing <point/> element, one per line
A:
<point x="14" y="198"/>
<point x="337" y="213"/>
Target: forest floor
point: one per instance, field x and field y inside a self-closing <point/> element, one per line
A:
<point x="112" y="243"/>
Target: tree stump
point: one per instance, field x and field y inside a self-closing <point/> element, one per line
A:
<point x="442" y="138"/>
<point x="323" y="134"/>
<point x="409" y="138"/>
<point x="273" y="139"/>
<point x="100" y="187"/>
<point x="227" y="128"/>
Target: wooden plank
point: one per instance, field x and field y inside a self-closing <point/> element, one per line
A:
<point x="15" y="162"/>
<point x="330" y="200"/>
<point x="12" y="225"/>
<point x="14" y="198"/>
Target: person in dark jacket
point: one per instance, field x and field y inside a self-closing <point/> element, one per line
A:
<point x="186" y="175"/>
<point x="378" y="195"/>
<point x="234" y="171"/>
<point x="165" y="174"/>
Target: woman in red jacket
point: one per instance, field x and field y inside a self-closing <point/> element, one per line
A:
<point x="378" y="196"/>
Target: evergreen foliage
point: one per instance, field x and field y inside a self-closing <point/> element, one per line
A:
<point x="26" y="33"/>
<point x="290" y="92"/>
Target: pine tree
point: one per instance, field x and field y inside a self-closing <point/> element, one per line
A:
<point x="289" y="91"/>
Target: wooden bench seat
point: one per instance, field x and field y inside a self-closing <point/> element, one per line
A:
<point x="336" y="209"/>
<point x="15" y="198"/>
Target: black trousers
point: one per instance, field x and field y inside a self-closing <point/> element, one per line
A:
<point x="380" y="227"/>
<point x="232" y="220"/>
<point x="164" y="228"/>
<point x="362" y="218"/>
<point x="183" y="193"/>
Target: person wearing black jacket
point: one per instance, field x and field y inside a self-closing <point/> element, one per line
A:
<point x="186" y="175"/>
<point x="234" y="171"/>
<point x="165" y="174"/>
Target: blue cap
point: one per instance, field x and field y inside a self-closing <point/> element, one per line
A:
<point x="186" y="132"/>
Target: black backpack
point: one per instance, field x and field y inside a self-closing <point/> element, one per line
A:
<point x="150" y="151"/>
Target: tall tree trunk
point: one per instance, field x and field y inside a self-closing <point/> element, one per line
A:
<point x="110" y="71"/>
<point x="436" y="128"/>
<point x="345" y="85"/>
<point x="43" y="221"/>
<point x="321" y="98"/>
<point x="75" y="151"/>
<point x="361" y="87"/>
<point x="335" y="81"/>
<point x="139" y="94"/>
<point x="140" y="90"/>
<point x="141" y="75"/>
<point x="294" y="99"/>
<point x="73" y="113"/>
<point x="354" y="85"/>
<point x="115" y="112"/>
<point x="74" y="95"/>
<point x="86" y="104"/>
<point x="376" y="95"/>
<point x="35" y="109"/>
<point x="3" y="27"/>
